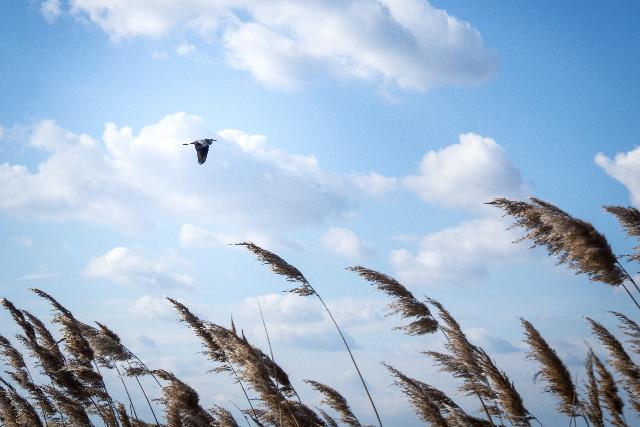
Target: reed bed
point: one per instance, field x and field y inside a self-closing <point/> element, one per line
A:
<point x="73" y="357"/>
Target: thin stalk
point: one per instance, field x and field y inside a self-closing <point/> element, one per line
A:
<point x="240" y="410"/>
<point x="628" y="275"/>
<point x="273" y="360"/>
<point x="133" y="408"/>
<point x="104" y="387"/>
<point x="350" y="354"/>
<point x="146" y="397"/>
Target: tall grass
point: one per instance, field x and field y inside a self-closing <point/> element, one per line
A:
<point x="74" y="358"/>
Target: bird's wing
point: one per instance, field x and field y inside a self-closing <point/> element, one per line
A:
<point x="202" y="153"/>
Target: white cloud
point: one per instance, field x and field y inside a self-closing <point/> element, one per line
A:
<point x="24" y="241"/>
<point x="344" y="242"/>
<point x="50" y="9"/>
<point x="466" y="174"/>
<point x="153" y="308"/>
<point x="159" y="55"/>
<point x="302" y="322"/>
<point x="42" y="272"/>
<point x="125" y="266"/>
<point x="192" y="236"/>
<point x="186" y="49"/>
<point x="2" y="131"/>
<point x="117" y="180"/>
<point x="407" y="43"/>
<point x="375" y="184"/>
<point x="459" y="254"/>
<point x="625" y="168"/>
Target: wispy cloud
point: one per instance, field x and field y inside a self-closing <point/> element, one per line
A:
<point x="41" y="273"/>
<point x="126" y="266"/>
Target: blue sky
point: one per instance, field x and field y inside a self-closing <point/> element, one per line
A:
<point x="362" y="132"/>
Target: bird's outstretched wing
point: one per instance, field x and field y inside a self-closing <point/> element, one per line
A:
<point x="202" y="153"/>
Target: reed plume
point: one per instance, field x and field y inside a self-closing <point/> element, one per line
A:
<point x="553" y="371"/>
<point x="403" y="303"/>
<point x="591" y="405"/>
<point x="181" y="403"/>
<point x="621" y="362"/>
<point x="26" y="413"/>
<point x="573" y="241"/>
<point x="292" y="274"/>
<point x="609" y="393"/>
<point x="328" y="419"/>
<point x="462" y="362"/>
<point x="336" y="401"/>
<point x="430" y="404"/>
<point x="21" y="375"/>
<point x="223" y="417"/>
<point x="629" y="219"/>
<point x="631" y="329"/>
<point x="506" y="394"/>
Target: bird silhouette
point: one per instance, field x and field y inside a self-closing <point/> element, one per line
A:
<point x="202" y="148"/>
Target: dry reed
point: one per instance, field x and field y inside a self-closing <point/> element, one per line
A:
<point x="403" y="302"/>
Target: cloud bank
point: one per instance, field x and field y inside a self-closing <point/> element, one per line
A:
<point x="131" y="181"/>
<point x="406" y="43"/>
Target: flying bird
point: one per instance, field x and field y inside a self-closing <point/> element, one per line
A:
<point x="202" y="148"/>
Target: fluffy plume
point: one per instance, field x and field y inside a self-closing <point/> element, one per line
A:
<point x="629" y="219"/>
<point x="573" y="241"/>
<point x="181" y="403"/>
<point x="223" y="417"/>
<point x="328" y="419"/>
<point x="336" y="401"/>
<point x="553" y="371"/>
<point x="462" y="362"/>
<point x="281" y="267"/>
<point x="591" y="406"/>
<point x="506" y="394"/>
<point x="431" y="405"/>
<point x="25" y="412"/>
<point x="609" y="393"/>
<point x="404" y="303"/>
<point x="631" y="329"/>
<point x="621" y="362"/>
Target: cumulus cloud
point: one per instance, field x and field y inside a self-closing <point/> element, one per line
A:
<point x="152" y="308"/>
<point x="407" y="43"/>
<point x="455" y="255"/>
<point x="125" y="266"/>
<point x="624" y="167"/>
<point x="466" y="174"/>
<point x="302" y="322"/>
<point x="24" y="241"/>
<point x="50" y="9"/>
<point x="186" y="49"/>
<point x="375" y="184"/>
<point x="342" y="241"/>
<point x="134" y="180"/>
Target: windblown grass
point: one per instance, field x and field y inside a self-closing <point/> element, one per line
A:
<point x="74" y="359"/>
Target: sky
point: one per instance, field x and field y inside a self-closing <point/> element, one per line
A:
<point x="351" y="132"/>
